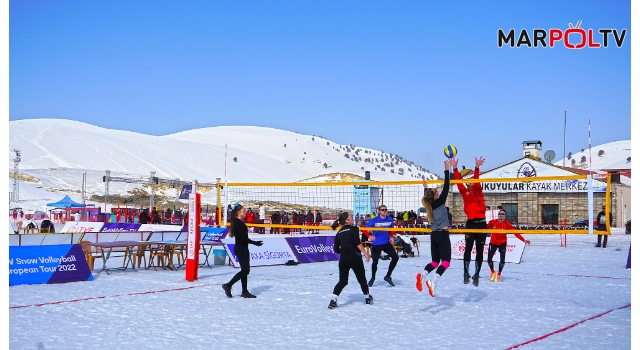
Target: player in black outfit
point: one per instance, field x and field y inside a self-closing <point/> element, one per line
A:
<point x="347" y="244"/>
<point x="241" y="250"/>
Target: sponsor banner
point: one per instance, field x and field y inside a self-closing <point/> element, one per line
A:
<point x="313" y="249"/>
<point x="274" y="251"/>
<point x="540" y="186"/>
<point x="159" y="228"/>
<point x="214" y="234"/>
<point x="81" y="226"/>
<point x="515" y="249"/>
<point x="184" y="193"/>
<point x="361" y="199"/>
<point x="120" y="228"/>
<point x="47" y="264"/>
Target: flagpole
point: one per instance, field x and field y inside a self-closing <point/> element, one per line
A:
<point x="226" y="188"/>
<point x="590" y="186"/>
<point x="564" y="148"/>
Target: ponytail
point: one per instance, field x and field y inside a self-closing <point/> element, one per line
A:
<point x="426" y="202"/>
<point x="340" y="220"/>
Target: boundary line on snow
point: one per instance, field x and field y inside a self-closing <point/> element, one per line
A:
<point x="566" y="328"/>
<point x="141" y="293"/>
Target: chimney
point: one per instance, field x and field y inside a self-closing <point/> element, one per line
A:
<point x="532" y="149"/>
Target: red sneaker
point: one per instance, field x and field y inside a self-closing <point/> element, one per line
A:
<point x="419" y="282"/>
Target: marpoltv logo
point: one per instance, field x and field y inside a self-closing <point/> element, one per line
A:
<point x="572" y="37"/>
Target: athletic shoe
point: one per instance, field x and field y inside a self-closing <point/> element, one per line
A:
<point x="419" y="282"/>
<point x="597" y="246"/>
<point x="497" y="278"/>
<point x="227" y="290"/>
<point x="369" y="300"/>
<point x="476" y="280"/>
<point x="493" y="276"/>
<point x="466" y="278"/>
<point x="333" y="304"/>
<point x="247" y="295"/>
<point x="373" y="279"/>
<point x="388" y="280"/>
<point x="431" y="288"/>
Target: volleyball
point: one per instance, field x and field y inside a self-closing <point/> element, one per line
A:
<point x="450" y="151"/>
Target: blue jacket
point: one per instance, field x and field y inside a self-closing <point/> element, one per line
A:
<point x="382" y="237"/>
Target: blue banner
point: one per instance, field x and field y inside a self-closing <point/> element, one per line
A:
<point x="184" y="193"/>
<point x="47" y="264"/>
<point x="120" y="227"/>
<point x="213" y="233"/>
<point x="313" y="248"/>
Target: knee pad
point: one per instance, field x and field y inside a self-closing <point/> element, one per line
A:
<point x="446" y="264"/>
<point x="434" y="264"/>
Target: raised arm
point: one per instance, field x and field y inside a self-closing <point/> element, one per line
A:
<point x="456" y="176"/>
<point x="445" y="189"/>
<point x="476" y="173"/>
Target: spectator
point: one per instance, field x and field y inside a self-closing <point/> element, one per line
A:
<point x="275" y="219"/>
<point x="285" y="221"/>
<point x="399" y="241"/>
<point x="47" y="226"/>
<point x="318" y="220"/>
<point x="155" y="217"/>
<point x="166" y="219"/>
<point x="627" y="227"/>
<point x="262" y="215"/>
<point x="251" y="218"/>
<point x="602" y="226"/>
<point x="144" y="217"/>
<point x="229" y="209"/>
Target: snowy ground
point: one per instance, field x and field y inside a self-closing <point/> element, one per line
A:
<point x="552" y="289"/>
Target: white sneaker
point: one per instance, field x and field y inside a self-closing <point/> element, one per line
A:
<point x="431" y="287"/>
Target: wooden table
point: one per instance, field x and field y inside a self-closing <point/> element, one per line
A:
<point x="128" y="252"/>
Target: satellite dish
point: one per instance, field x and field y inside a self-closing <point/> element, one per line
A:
<point x="549" y="155"/>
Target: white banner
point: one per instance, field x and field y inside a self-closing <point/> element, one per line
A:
<point x="159" y="228"/>
<point x="274" y="251"/>
<point x="81" y="226"/>
<point x="515" y="249"/>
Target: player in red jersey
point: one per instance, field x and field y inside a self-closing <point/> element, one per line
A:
<point x="499" y="242"/>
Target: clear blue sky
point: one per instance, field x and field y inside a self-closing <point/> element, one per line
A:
<point x="405" y="77"/>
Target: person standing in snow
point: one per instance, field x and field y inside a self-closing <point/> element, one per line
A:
<point x="241" y="250"/>
<point x="381" y="241"/>
<point x="499" y="242"/>
<point x="347" y="244"/>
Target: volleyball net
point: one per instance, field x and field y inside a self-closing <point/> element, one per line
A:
<point x="553" y="205"/>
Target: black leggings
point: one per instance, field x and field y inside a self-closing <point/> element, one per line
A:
<point x="351" y="261"/>
<point x="478" y="238"/>
<point x="440" y="252"/>
<point x="503" y="253"/>
<point x="375" y="255"/>
<point x="244" y="258"/>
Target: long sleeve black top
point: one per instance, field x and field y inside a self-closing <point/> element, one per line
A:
<point x="347" y="240"/>
<point x="241" y="233"/>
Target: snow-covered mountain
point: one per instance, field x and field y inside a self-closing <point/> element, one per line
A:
<point x="55" y="153"/>
<point x="608" y="156"/>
